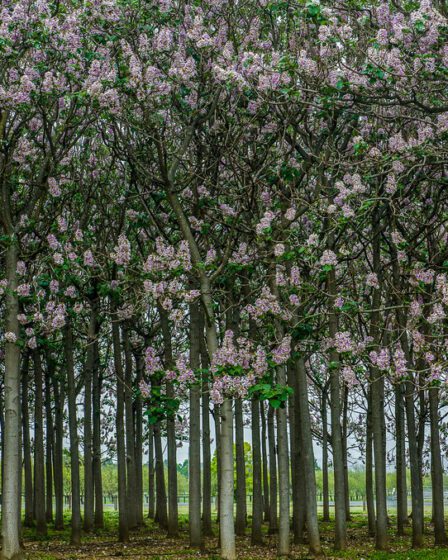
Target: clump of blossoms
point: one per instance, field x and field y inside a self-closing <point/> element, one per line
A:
<point x="236" y="368"/>
<point x="267" y="303"/>
<point x="122" y="251"/>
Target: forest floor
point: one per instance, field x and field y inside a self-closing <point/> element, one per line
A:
<point x="151" y="543"/>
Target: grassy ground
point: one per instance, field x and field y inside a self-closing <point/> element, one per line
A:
<point x="151" y="543"/>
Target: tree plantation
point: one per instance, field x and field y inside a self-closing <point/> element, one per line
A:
<point x="223" y="278"/>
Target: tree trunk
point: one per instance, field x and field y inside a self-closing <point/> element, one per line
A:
<point x="11" y="548"/>
<point x="88" y="455"/>
<point x="58" y="453"/>
<point x="206" y="463"/>
<point x="400" y="445"/>
<point x="257" y="493"/>
<point x="151" y="489"/>
<point x="39" y="455"/>
<point x="194" y="452"/>
<point x="138" y="409"/>
<point x="325" y="485"/>
<point x="161" y="505"/>
<point x="27" y="463"/>
<point x="436" y="469"/>
<point x="123" y="521"/>
<point x="49" y="439"/>
<point x="131" y="479"/>
<point x="344" y="450"/>
<point x="272" y="473"/>
<point x="173" y="522"/>
<point x="369" y="469"/>
<point x="377" y="393"/>
<point x="336" y="434"/>
<point x="297" y="467"/>
<point x="264" y="455"/>
<point x="308" y="459"/>
<point x="241" y="507"/>
<point x="226" y="524"/>
<point x="75" y="537"/>
<point x="96" y="450"/>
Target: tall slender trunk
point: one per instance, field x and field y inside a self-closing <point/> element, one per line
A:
<point x="377" y="392"/>
<point x="88" y="454"/>
<point x="217" y="419"/>
<point x="49" y="442"/>
<point x="11" y="548"/>
<point x="138" y="410"/>
<point x="39" y="455"/>
<point x="400" y="457"/>
<point x="409" y="387"/>
<point x="123" y="520"/>
<point x="272" y="472"/>
<point x="96" y="440"/>
<point x="173" y="522"/>
<point x="75" y="537"/>
<point x="436" y="469"/>
<point x="325" y="485"/>
<point x="161" y="505"/>
<point x="207" y="528"/>
<point x="264" y="456"/>
<point x="297" y="467"/>
<point x="257" y="493"/>
<point x="371" y="519"/>
<point x="58" y="458"/>
<point x="336" y="434"/>
<point x="283" y="473"/>
<point x="27" y="463"/>
<point x="131" y="480"/>
<point x="227" y="529"/>
<point x="344" y="450"/>
<point x="241" y="507"/>
<point x="151" y="489"/>
<point x="226" y="522"/>
<point x="194" y="456"/>
<point x="308" y="459"/>
<point x="206" y="462"/>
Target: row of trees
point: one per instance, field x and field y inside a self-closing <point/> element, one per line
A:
<point x="209" y="204"/>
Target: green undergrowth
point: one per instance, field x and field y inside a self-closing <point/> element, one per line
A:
<point x="150" y="542"/>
